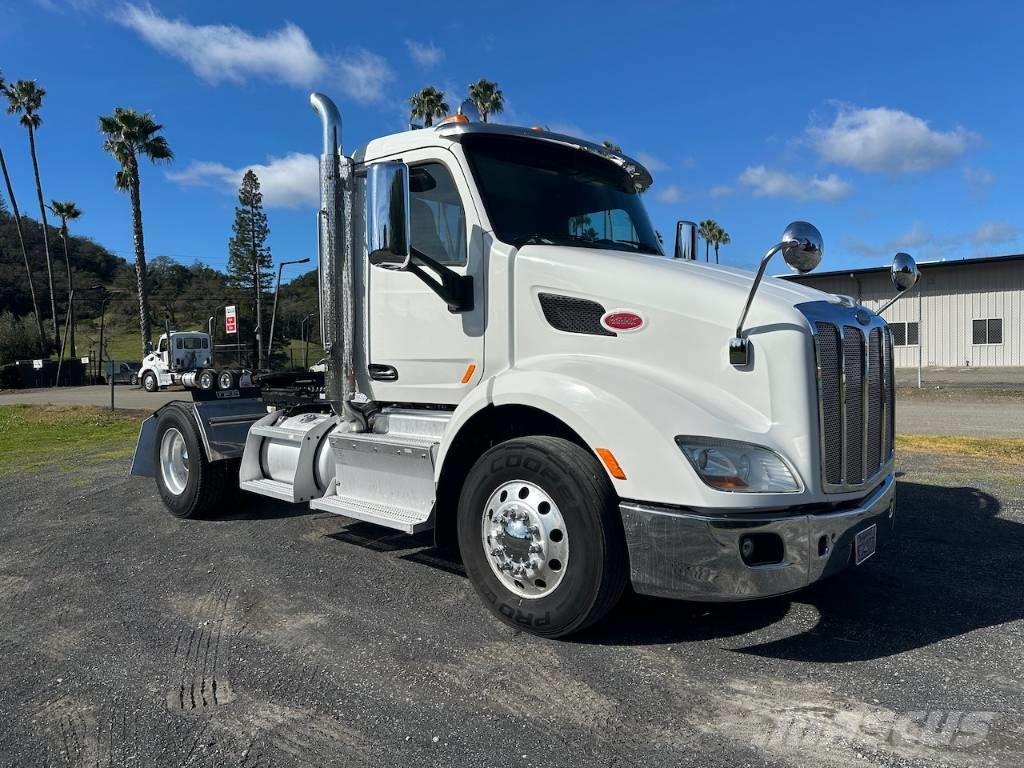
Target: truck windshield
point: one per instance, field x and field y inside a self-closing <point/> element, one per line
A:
<point x="539" y="193"/>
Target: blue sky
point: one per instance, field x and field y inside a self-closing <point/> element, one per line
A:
<point x="891" y="128"/>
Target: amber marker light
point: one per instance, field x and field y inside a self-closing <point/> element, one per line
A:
<point x="612" y="464"/>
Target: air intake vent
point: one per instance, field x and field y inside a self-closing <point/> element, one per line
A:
<point x="572" y="315"/>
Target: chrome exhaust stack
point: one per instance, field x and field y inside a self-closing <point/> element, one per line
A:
<point x="336" y="253"/>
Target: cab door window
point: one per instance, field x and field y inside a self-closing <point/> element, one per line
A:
<point x="437" y="218"/>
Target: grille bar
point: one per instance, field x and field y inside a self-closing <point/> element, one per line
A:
<point x="855" y="396"/>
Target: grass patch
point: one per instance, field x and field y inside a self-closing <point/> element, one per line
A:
<point x="34" y="436"/>
<point x="1008" y="451"/>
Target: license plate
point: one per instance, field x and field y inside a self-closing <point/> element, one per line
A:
<point x="865" y="543"/>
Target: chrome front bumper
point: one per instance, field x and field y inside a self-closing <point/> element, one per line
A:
<point x="691" y="556"/>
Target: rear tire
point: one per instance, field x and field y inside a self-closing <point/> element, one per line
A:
<point x="501" y="525"/>
<point x="207" y="380"/>
<point x="226" y="379"/>
<point x="189" y="485"/>
<point x="149" y="382"/>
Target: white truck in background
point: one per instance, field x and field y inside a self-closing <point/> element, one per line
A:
<point x="186" y="358"/>
<point x="514" y="363"/>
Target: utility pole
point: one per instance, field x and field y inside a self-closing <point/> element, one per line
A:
<point x="273" y="314"/>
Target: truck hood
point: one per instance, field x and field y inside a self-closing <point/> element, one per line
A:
<point x="710" y="294"/>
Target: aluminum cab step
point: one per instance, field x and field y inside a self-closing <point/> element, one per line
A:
<point x="398" y="518"/>
<point x="387" y="479"/>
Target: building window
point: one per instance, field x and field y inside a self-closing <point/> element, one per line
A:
<point x="989" y="331"/>
<point x="904" y="334"/>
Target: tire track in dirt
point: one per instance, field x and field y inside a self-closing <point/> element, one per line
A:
<point x="201" y="652"/>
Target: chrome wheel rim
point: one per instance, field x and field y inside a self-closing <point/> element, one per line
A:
<point x="525" y="539"/>
<point x="174" y="461"/>
<point x="149" y="383"/>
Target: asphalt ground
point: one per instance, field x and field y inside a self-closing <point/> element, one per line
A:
<point x="273" y="636"/>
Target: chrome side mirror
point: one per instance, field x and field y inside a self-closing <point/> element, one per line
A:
<point x="388" y="223"/>
<point x="803" y="246"/>
<point x="686" y="240"/>
<point x="905" y="274"/>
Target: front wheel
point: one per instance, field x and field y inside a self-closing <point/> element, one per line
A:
<point x="189" y="485"/>
<point x="541" y="537"/>
<point x="149" y="382"/>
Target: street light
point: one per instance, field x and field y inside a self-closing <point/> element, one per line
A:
<point x="277" y="292"/>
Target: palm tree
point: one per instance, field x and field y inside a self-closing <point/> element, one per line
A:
<point x="487" y="97"/>
<point x="721" y="238"/>
<point x="21" y="240"/>
<point x="611" y="145"/>
<point x="67" y="211"/>
<point x="26" y="98"/>
<point x="706" y="230"/>
<point x="428" y="104"/>
<point x="128" y="134"/>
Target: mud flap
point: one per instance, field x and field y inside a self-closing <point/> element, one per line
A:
<point x="222" y="422"/>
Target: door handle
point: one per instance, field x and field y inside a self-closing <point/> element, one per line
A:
<point x="379" y="372"/>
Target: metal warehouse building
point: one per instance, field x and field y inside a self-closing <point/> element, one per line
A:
<point x="968" y="312"/>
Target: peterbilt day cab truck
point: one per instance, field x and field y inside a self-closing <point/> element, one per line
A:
<point x="185" y="358"/>
<point x="514" y="363"/>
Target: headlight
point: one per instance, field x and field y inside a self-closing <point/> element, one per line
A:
<point x="729" y="465"/>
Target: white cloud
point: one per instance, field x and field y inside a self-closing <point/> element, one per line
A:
<point x="652" y="163"/>
<point x="219" y="52"/>
<point x="882" y="140"/>
<point x="979" y="180"/>
<point x="995" y="232"/>
<point x="918" y="235"/>
<point x="286" y="182"/>
<point x="364" y="75"/>
<point x="673" y="193"/>
<point x="722" y="190"/>
<point x="764" y="182"/>
<point x="425" y="55"/>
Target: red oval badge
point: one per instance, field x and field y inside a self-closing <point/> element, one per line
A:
<point x="622" y="321"/>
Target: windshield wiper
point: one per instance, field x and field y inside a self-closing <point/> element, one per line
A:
<point x="640" y="246"/>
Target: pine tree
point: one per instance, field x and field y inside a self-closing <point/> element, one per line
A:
<point x="249" y="263"/>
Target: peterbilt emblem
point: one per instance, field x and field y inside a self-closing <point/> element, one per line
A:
<point x="622" y="321"/>
<point x="862" y="316"/>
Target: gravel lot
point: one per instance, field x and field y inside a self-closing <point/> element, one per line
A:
<point x="277" y="637"/>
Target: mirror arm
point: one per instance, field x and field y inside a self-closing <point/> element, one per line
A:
<point x="454" y="289"/>
<point x="739" y="347"/>
<point x="893" y="300"/>
<point x="757" y="282"/>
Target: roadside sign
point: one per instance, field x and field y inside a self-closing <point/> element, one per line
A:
<point x="85" y="361"/>
<point x="230" y="319"/>
<point x="37" y="364"/>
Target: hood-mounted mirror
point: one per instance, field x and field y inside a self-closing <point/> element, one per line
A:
<point x="802" y="247"/>
<point x="904" y="274"/>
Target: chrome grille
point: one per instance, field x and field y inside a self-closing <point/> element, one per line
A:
<point x="855" y="396"/>
<point x="829" y="391"/>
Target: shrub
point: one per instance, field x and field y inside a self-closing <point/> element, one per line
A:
<point x="18" y="339"/>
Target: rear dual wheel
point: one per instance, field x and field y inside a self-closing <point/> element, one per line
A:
<point x="541" y="537"/>
<point x="189" y="485"/>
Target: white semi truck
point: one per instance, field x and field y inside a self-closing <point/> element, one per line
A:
<point x="514" y="363"/>
<point x="186" y="358"/>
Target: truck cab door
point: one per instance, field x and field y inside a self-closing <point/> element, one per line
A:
<point x="418" y="351"/>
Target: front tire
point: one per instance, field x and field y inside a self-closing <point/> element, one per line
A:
<point x="541" y="537"/>
<point x="149" y="382"/>
<point x="189" y="485"/>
